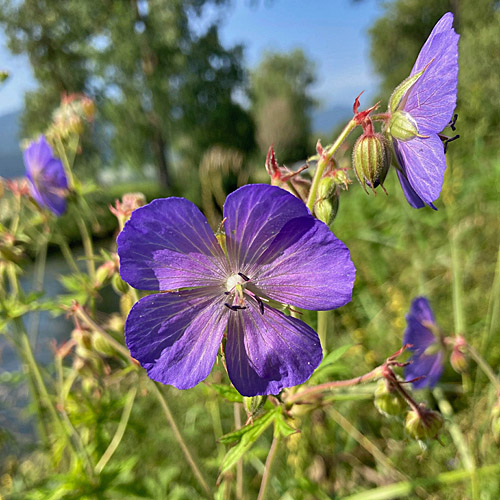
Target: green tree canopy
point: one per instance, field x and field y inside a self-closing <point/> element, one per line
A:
<point x="155" y="77"/>
<point x="281" y="103"/>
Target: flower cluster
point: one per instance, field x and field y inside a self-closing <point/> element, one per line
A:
<point x="230" y="286"/>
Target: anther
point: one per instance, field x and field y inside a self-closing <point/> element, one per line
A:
<point x="261" y="304"/>
<point x="447" y="141"/>
<point x="234" y="308"/>
<point x="246" y="278"/>
<point x="453" y="121"/>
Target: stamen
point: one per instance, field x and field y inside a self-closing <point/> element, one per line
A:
<point x="227" y="293"/>
<point x="234" y="308"/>
<point x="261" y="304"/>
<point x="246" y="278"/>
<point x="447" y="141"/>
<point x="453" y="121"/>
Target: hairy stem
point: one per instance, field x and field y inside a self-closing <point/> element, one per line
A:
<point x="268" y="467"/>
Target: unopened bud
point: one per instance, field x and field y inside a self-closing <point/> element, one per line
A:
<point x="388" y="401"/>
<point x="101" y="345"/>
<point x="119" y="286"/>
<point x="104" y="273"/>
<point x="371" y="160"/>
<point x="88" y="107"/>
<point x="123" y="209"/>
<point x="424" y="424"/>
<point x="458" y="360"/>
<point x="327" y="205"/>
<point x="253" y="405"/>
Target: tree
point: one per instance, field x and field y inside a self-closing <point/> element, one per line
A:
<point x="281" y="103"/>
<point x="154" y="76"/>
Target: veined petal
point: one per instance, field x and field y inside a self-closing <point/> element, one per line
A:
<point x="175" y="336"/>
<point x="413" y="198"/>
<point x="168" y="244"/>
<point x="255" y="215"/>
<point x="432" y="100"/>
<point x="424" y="163"/>
<point x="270" y="351"/>
<point x="37" y="155"/>
<point x="306" y="266"/>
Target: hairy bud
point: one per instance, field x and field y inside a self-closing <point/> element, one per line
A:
<point x="371" y="160"/>
<point x="387" y="401"/>
<point x="424" y="424"/>
<point x="327" y="205"/>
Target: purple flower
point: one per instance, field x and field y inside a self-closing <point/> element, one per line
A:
<point x="46" y="176"/>
<point x="427" y="359"/>
<point x="428" y="105"/>
<point x="275" y="251"/>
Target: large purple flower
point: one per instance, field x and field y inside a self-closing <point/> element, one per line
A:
<point x="427" y="359"/>
<point x="46" y="176"/>
<point x="428" y="106"/>
<point x="275" y="251"/>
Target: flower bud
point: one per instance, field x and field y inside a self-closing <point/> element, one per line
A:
<point x="88" y="107"/>
<point x="371" y="160"/>
<point x="424" y="424"/>
<point x="402" y="126"/>
<point x="387" y="401"/>
<point x="327" y="205"/>
<point x="101" y="345"/>
<point x="119" y="286"/>
<point x="458" y="360"/>
<point x="123" y="209"/>
<point x="253" y="405"/>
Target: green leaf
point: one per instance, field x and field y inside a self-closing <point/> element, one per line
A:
<point x="246" y="437"/>
<point x="281" y="427"/>
<point x="227" y="392"/>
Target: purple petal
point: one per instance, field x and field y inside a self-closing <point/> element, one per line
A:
<point x="424" y="162"/>
<point x="175" y="336"/>
<point x="46" y="175"/>
<point x="306" y="266"/>
<point x="270" y="351"/>
<point x="430" y="367"/>
<point x="432" y="100"/>
<point x="256" y="213"/>
<point x="168" y="244"/>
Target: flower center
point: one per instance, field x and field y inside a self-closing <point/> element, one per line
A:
<point x="233" y="281"/>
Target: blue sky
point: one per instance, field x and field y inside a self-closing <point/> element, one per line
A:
<point x="333" y="33"/>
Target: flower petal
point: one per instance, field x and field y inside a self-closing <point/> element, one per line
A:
<point x="168" y="244"/>
<point x="306" y="266"/>
<point x="270" y="351"/>
<point x="433" y="98"/>
<point x="175" y="336"/>
<point x="255" y="214"/>
<point x="424" y="162"/>
<point x="429" y="367"/>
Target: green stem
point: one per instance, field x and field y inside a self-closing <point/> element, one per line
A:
<point x="64" y="158"/>
<point x="405" y="488"/>
<point x="323" y="162"/>
<point x="239" y="464"/>
<point x="466" y="456"/>
<point x="87" y="245"/>
<point x="120" y="431"/>
<point x="375" y="373"/>
<point x="483" y="364"/>
<point x="323" y="328"/>
<point x="180" y="439"/>
<point x="268" y="467"/>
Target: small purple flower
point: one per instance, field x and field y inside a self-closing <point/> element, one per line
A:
<point x="275" y="251"/>
<point x="46" y="176"/>
<point x="429" y="106"/>
<point x="427" y="359"/>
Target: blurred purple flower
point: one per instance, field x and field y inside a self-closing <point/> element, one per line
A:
<point x="430" y="103"/>
<point x="427" y="359"/>
<point x="46" y="176"/>
<point x="275" y="250"/>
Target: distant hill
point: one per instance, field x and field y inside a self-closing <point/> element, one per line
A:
<point x="325" y="120"/>
<point x="11" y="158"/>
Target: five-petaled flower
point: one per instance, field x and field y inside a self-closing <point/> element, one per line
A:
<point x="427" y="107"/>
<point x="47" y="180"/>
<point x="427" y="359"/>
<point x="274" y="251"/>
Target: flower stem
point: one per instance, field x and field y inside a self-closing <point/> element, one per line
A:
<point x="375" y="373"/>
<point x="239" y="464"/>
<point x="179" y="438"/>
<point x="323" y="162"/>
<point x="268" y="466"/>
<point x="483" y="364"/>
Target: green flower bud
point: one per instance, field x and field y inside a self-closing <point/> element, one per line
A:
<point x="254" y="405"/>
<point x="424" y="424"/>
<point x="119" y="286"/>
<point x="458" y="359"/>
<point x="327" y="205"/>
<point x="101" y="345"/>
<point x="387" y="401"/>
<point x="402" y="126"/>
<point x="371" y="160"/>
